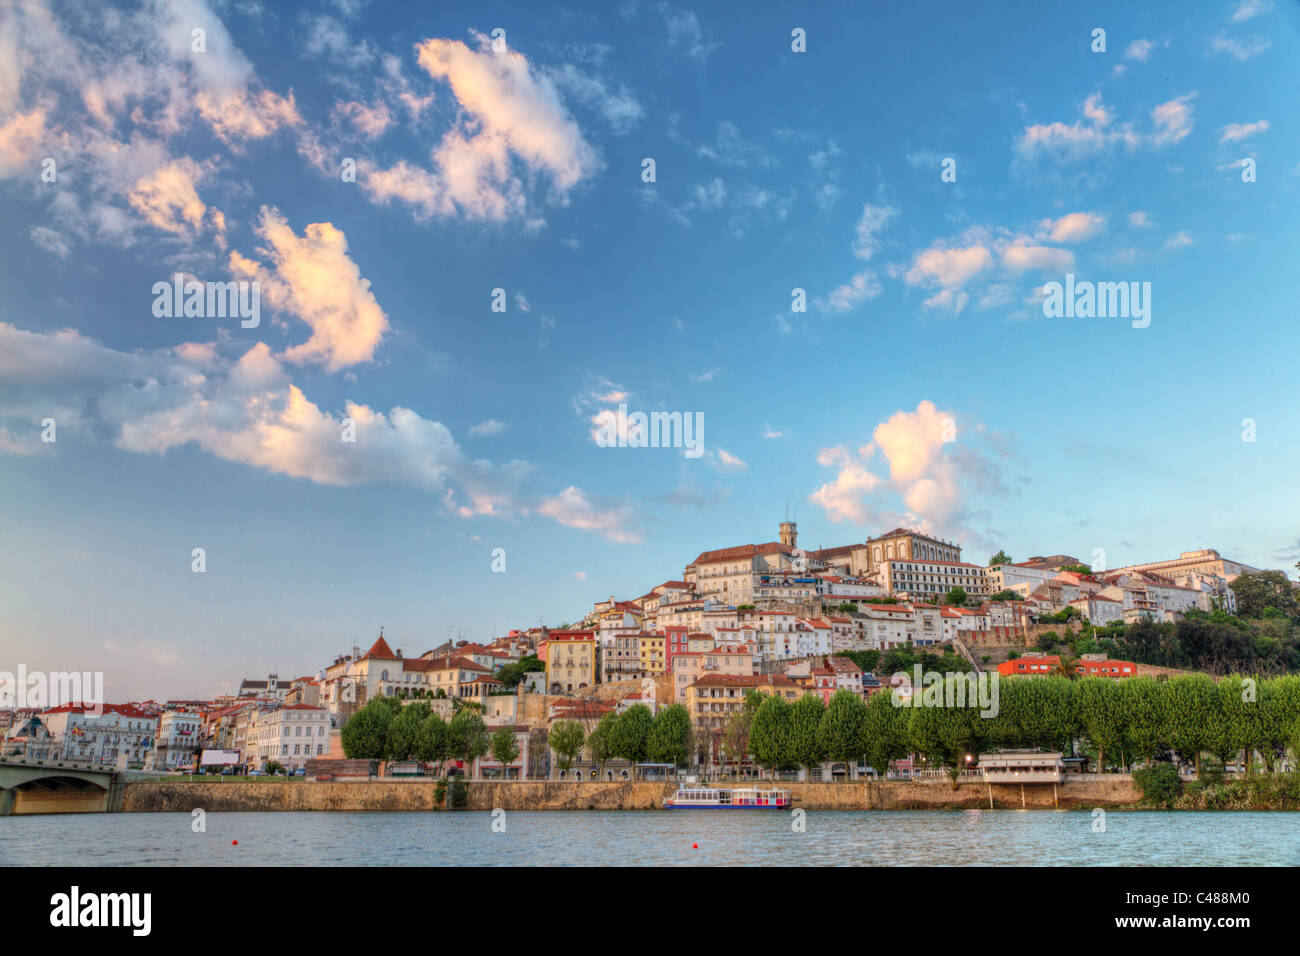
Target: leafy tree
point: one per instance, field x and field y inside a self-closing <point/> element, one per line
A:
<point x="734" y="743"/>
<point x="1257" y="592"/>
<point x="511" y="674"/>
<point x="630" y="736"/>
<point x="769" y="735"/>
<point x="404" y="732"/>
<point x="806" y="748"/>
<point x="841" y="731"/>
<point x="365" y="735"/>
<point x="956" y="596"/>
<point x="1000" y="558"/>
<point x="1146" y="716"/>
<point x="1194" y="719"/>
<point x="566" y="740"/>
<point x="1006" y="595"/>
<point x="431" y="745"/>
<point x="1101" y="715"/>
<point x="504" y="747"/>
<point x="600" y="741"/>
<point x="273" y="767"/>
<point x="1077" y="568"/>
<point x="467" y="736"/>
<point x="669" y="740"/>
<point x="884" y="732"/>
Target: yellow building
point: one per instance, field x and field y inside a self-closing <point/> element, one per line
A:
<point x="570" y="661"/>
<point x="651" y="647"/>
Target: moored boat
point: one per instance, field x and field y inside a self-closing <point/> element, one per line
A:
<point x="742" y="798"/>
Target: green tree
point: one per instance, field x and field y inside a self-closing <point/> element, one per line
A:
<point x="630" y="736"/>
<point x="504" y="747"/>
<point x="404" y="732"/>
<point x="1194" y="717"/>
<point x="566" y="740"/>
<point x="431" y="745"/>
<point x="669" y="740"/>
<point x="956" y="596"/>
<point x="1146" y="716"/>
<point x="842" y="730"/>
<point x="884" y="732"/>
<point x="467" y="736"/>
<point x="1279" y="707"/>
<point x="1101" y="715"/>
<point x="735" y="736"/>
<point x="806" y="748"/>
<point x="1000" y="558"/>
<point x="1257" y="592"/>
<point x="365" y="734"/>
<point x="769" y="734"/>
<point x="600" y="741"/>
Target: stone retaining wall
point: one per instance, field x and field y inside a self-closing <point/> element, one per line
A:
<point x="1112" y="790"/>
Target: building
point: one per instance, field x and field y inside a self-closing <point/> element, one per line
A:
<point x="1021" y="766"/>
<point x="727" y="660"/>
<point x="288" y="735"/>
<point x="105" y="734"/>
<point x="179" y="737"/>
<point x="715" y="698"/>
<point x="1098" y="665"/>
<point x="271" y="687"/>
<point x="930" y="580"/>
<point x="1032" y="664"/>
<point x="571" y="661"/>
<point x="905" y="545"/>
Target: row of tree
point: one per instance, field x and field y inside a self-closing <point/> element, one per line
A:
<point x="1120" y="723"/>
<point x="386" y="729"/>
<point x="634" y="735"/>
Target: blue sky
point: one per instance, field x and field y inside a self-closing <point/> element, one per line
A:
<point x="521" y="169"/>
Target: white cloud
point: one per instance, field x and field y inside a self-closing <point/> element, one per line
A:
<point x="313" y="278"/>
<point x="1179" y="240"/>
<point x="1173" y="120"/>
<point x="1242" y="49"/>
<point x="1139" y="50"/>
<point x="487" y="429"/>
<point x="1245" y="9"/>
<point x="1235" y="132"/>
<point x="574" y="509"/>
<point x="1139" y="218"/>
<point x="1074" y="227"/>
<point x="511" y="117"/>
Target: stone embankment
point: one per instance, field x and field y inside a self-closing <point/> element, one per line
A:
<point x="1110" y="790"/>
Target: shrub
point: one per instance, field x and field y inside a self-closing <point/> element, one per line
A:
<point x="1160" y="784"/>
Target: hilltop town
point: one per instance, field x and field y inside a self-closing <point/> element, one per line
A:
<point x="770" y="618"/>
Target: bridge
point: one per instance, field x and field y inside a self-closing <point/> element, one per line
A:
<point x="57" y="786"/>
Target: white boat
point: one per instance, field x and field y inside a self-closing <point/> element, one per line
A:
<point x="744" y="798"/>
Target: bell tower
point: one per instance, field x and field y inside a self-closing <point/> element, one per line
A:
<point x="789" y="534"/>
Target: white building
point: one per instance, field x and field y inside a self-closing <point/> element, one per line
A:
<point x="289" y="736"/>
<point x="179" y="735"/>
<point x="102" y="734"/>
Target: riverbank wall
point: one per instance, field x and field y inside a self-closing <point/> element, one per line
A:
<point x="1112" y="791"/>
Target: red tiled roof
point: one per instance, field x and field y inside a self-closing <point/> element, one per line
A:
<point x="380" y="651"/>
<point x="743" y="551"/>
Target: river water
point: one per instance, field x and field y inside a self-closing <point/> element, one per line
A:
<point x="658" y="838"/>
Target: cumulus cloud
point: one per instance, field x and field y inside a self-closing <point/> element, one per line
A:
<point x="925" y="472"/>
<point x="1139" y="50"/>
<point x="513" y="126"/>
<point x="313" y="278"/>
<point x="1240" y="48"/>
<point x="245" y="408"/>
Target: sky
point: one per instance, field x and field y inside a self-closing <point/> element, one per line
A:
<point x="655" y="189"/>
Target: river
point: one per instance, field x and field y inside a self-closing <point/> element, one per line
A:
<point x="657" y="838"/>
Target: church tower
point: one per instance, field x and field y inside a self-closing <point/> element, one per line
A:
<point x="789" y="534"/>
